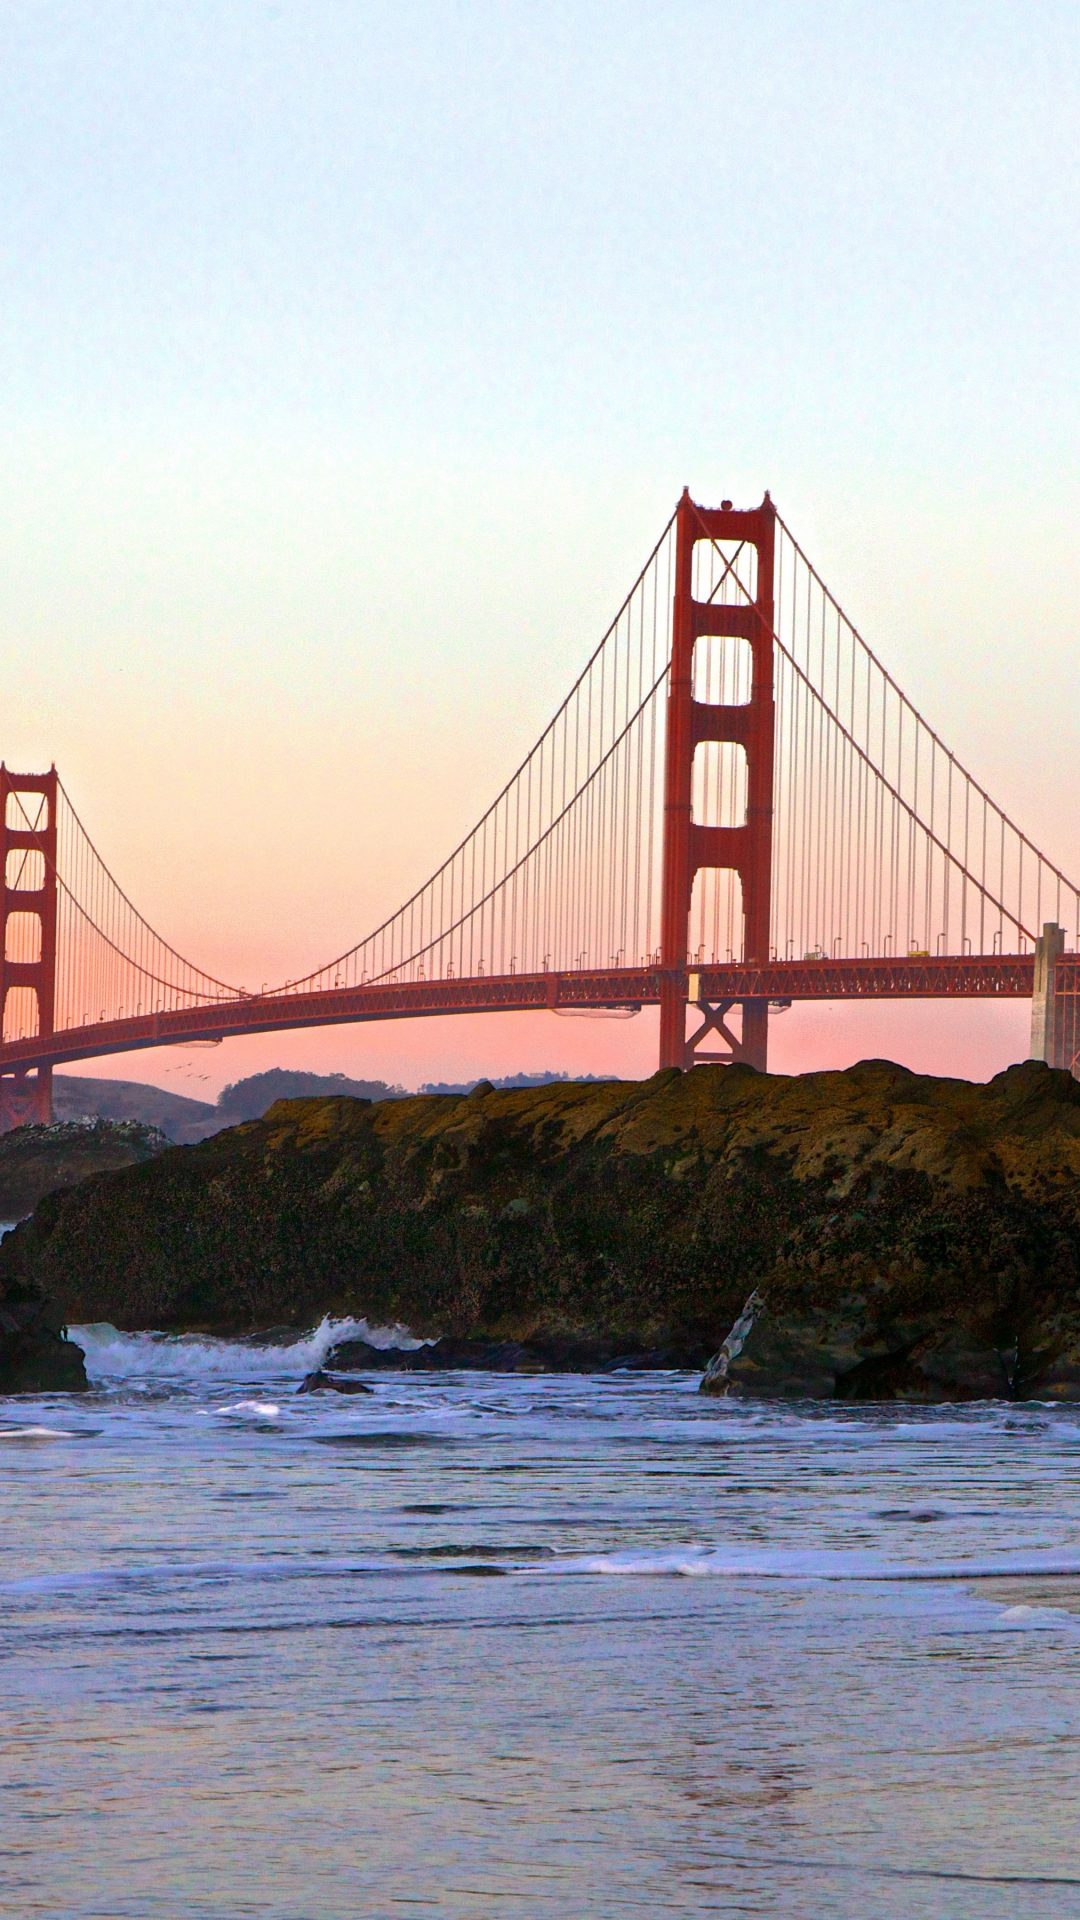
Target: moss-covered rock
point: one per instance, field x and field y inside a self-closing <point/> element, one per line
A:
<point x="879" y="1213"/>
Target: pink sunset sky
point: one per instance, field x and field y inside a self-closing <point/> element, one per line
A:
<point x="356" y="357"/>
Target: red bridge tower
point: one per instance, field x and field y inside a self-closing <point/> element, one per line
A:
<point x="689" y="845"/>
<point x="27" y="934"/>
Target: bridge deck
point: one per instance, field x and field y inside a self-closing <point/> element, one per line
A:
<point x="997" y="976"/>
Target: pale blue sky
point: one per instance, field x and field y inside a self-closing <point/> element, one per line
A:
<point x="354" y="354"/>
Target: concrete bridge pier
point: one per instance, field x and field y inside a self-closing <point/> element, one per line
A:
<point x="1055" y="1010"/>
<point x="26" y="1099"/>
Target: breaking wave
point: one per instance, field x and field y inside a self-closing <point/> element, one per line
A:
<point x="812" y="1564"/>
<point x="113" y="1356"/>
<point x="38" y="1433"/>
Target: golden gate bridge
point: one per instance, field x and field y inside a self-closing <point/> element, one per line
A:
<point x="734" y="808"/>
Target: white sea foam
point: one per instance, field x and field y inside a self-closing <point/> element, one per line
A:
<point x="36" y="1433"/>
<point x="113" y="1356"/>
<point x="813" y="1565"/>
<point x="253" y="1409"/>
<point x="943" y="1597"/>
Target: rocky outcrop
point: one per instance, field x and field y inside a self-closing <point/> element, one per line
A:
<point x="35" y="1354"/>
<point x="866" y="1350"/>
<point x="39" y="1160"/>
<point x="907" y="1235"/>
<point x="554" y="1353"/>
<point x="322" y="1381"/>
<point x="718" y="1372"/>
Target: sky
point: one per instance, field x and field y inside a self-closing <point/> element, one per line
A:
<point x="355" y="354"/>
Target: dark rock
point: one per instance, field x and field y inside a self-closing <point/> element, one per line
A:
<point x="1058" y="1379"/>
<point x="322" y="1382"/>
<point x="489" y="1356"/>
<point x="910" y="1236"/>
<point x="788" y="1360"/>
<point x="929" y="1370"/>
<point x="39" y="1160"/>
<point x="358" y="1353"/>
<point x="858" y="1359"/>
<point x="553" y="1354"/>
<point x="35" y="1354"/>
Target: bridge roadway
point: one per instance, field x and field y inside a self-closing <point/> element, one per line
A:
<point x="997" y="976"/>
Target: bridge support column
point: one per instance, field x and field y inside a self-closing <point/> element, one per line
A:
<point x="1055" y="1012"/>
<point x="28" y="900"/>
<point x="26" y="1099"/>
<point x="748" y="1045"/>
<point x="690" y="846"/>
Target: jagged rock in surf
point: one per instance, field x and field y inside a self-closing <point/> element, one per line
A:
<point x="323" y="1382"/>
<point x="35" y="1354"/>
<point x="552" y="1354"/>
<point x="913" y="1237"/>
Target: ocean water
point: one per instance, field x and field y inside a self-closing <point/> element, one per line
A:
<point x="529" y="1648"/>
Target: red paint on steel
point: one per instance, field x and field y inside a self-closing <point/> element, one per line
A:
<point x="879" y="840"/>
<point x="689" y="846"/>
<point x="28" y="834"/>
<point x="1000" y="976"/>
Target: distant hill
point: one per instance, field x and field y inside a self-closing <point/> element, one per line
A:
<point x="249" y="1099"/>
<point x="178" y="1118"/>
<point x="184" y="1121"/>
<point x="512" y="1080"/>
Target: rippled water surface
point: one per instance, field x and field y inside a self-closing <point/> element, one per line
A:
<point x="530" y="1647"/>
